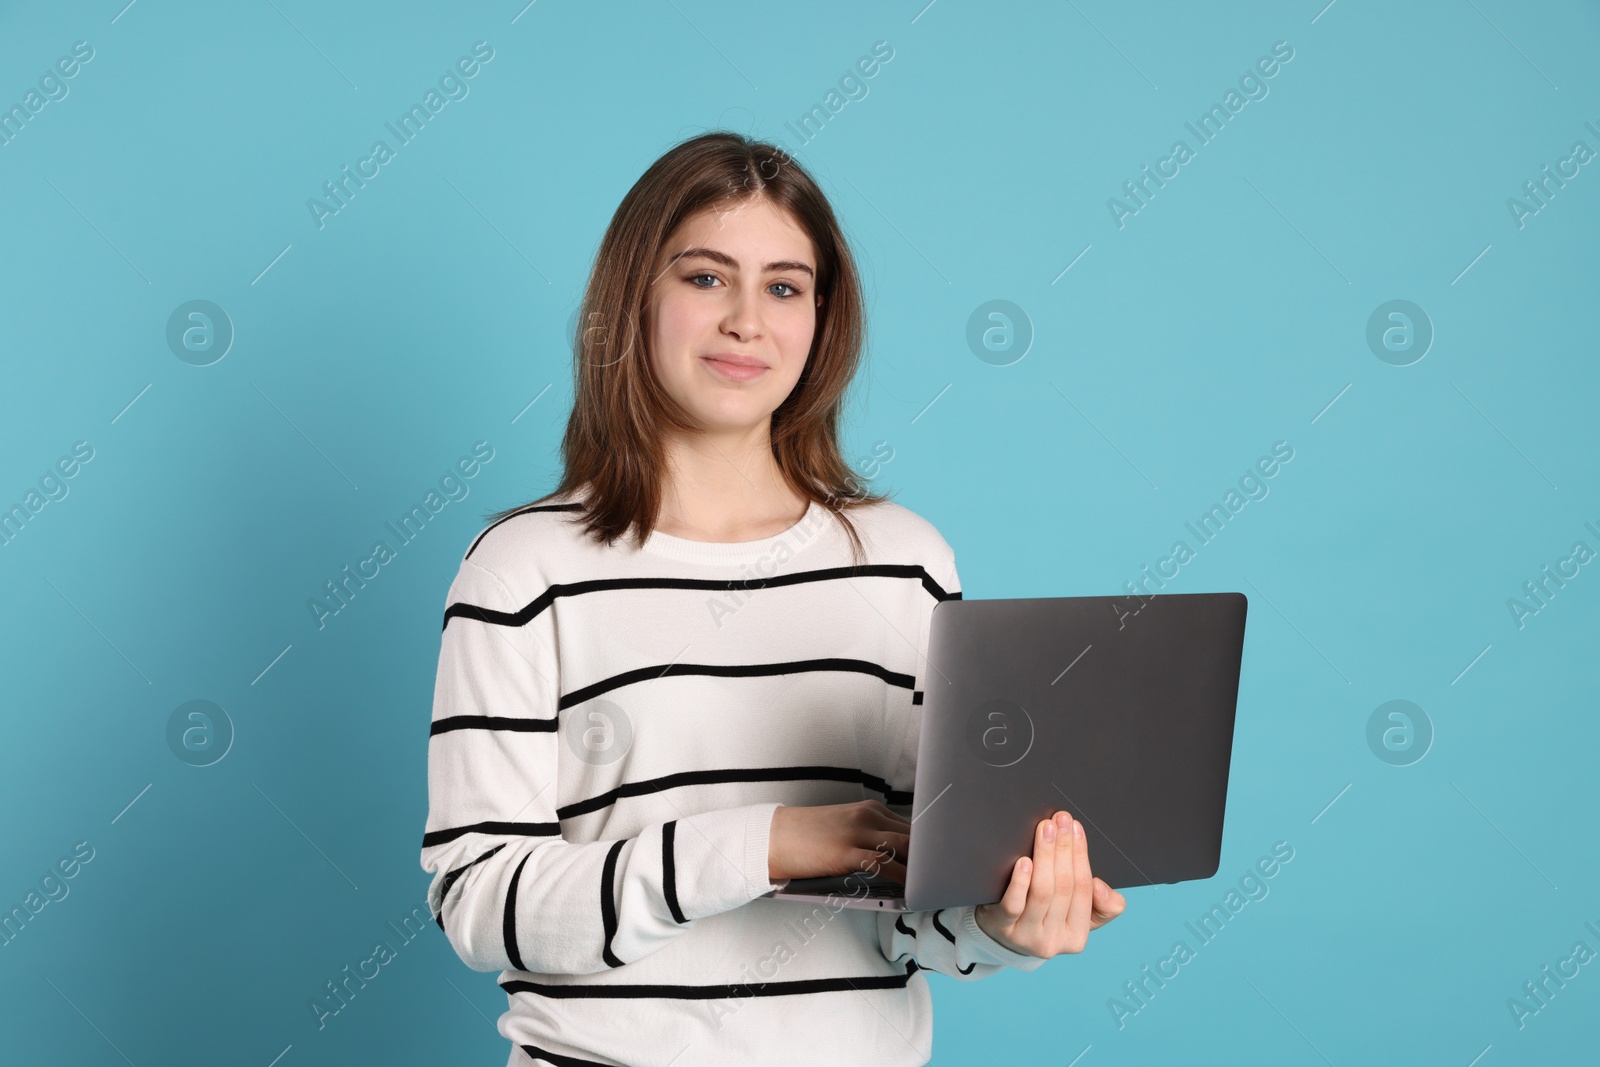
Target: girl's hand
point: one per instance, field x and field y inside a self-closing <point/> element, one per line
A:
<point x="831" y="839"/>
<point x="1053" y="900"/>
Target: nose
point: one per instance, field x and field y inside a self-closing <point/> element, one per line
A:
<point x="743" y="318"/>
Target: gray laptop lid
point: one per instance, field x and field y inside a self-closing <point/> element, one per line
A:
<point x="1117" y="709"/>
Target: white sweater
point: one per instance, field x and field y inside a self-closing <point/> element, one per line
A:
<point x="613" y="729"/>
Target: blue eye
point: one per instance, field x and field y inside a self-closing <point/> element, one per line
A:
<point x="693" y="279"/>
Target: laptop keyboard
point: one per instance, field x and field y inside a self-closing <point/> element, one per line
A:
<point x="845" y="885"/>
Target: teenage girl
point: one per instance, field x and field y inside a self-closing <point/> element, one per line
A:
<point x="694" y="670"/>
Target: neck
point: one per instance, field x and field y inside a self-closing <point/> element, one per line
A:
<point x="726" y="486"/>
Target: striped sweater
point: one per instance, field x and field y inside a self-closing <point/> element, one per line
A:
<point x="613" y="728"/>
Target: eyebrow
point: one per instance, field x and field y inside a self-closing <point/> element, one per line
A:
<point x="728" y="261"/>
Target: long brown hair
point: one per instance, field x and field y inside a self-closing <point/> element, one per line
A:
<point x="614" y="442"/>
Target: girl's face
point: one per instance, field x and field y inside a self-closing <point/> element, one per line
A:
<point x="731" y="318"/>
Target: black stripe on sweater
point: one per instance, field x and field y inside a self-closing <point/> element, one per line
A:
<point x="733" y="774"/>
<point x="733" y="670"/>
<point x="673" y="781"/>
<point x="556" y="1058"/>
<point x="491" y="722"/>
<point x="900" y="924"/>
<point x="727" y="585"/>
<point x="509" y="922"/>
<point x="948" y="936"/>
<point x="669" y="870"/>
<point x="797" y="987"/>
<point x="476" y="541"/>
<point x="608" y="903"/>
<point x="509" y="829"/>
<point x="450" y="880"/>
<point x="639" y="674"/>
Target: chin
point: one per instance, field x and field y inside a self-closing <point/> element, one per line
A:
<point x="718" y="419"/>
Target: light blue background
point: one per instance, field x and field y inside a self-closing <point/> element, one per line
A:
<point x="1228" y="314"/>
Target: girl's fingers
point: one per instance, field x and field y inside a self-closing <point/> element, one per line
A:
<point x="1108" y="904"/>
<point x="1082" y="892"/>
<point x="894" y="872"/>
<point x="883" y="842"/>
<point x="890" y="819"/>
<point x="1016" y="898"/>
<point x="876" y="824"/>
<point x="876" y="816"/>
<point x="1061" y="885"/>
<point x="882" y="852"/>
<point x="1042" y="887"/>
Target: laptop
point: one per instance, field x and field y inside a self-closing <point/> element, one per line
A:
<point x="1117" y="709"/>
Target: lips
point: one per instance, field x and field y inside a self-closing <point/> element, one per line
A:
<point x="735" y="367"/>
<point x="736" y="359"/>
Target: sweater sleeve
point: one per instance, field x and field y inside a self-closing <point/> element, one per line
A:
<point x="507" y="890"/>
<point x="948" y="940"/>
